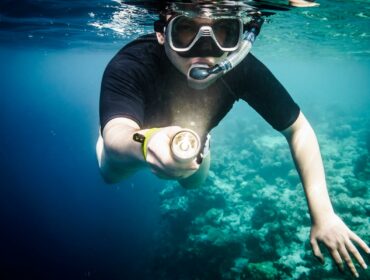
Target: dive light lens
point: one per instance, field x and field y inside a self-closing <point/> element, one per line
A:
<point x="185" y="145"/>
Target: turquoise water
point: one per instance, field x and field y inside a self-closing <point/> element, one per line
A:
<point x="250" y="219"/>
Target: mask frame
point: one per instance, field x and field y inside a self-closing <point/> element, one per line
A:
<point x="205" y="31"/>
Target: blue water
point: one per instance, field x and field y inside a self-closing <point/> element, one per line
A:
<point x="59" y="220"/>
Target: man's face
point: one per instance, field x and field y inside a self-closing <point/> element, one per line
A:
<point x="183" y="63"/>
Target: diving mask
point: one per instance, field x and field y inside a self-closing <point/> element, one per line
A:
<point x="202" y="37"/>
<point x="207" y="37"/>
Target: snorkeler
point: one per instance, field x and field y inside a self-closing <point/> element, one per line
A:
<point x="187" y="76"/>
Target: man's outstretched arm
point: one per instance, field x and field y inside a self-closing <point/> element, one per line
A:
<point x="327" y="227"/>
<point x="119" y="156"/>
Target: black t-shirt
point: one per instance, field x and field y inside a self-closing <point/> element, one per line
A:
<point x="141" y="83"/>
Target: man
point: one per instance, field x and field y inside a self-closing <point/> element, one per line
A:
<point x="150" y="92"/>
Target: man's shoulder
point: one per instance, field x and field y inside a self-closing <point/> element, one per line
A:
<point x="142" y="53"/>
<point x="143" y="45"/>
<point x="248" y="62"/>
<point x="140" y="61"/>
<point x="147" y="39"/>
<point x="142" y="50"/>
<point x="241" y="72"/>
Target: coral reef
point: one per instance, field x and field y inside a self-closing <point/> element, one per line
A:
<point x="250" y="219"/>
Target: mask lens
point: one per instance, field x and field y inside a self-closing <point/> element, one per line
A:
<point x="184" y="31"/>
<point x="227" y="32"/>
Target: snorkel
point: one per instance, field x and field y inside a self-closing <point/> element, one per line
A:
<point x="201" y="76"/>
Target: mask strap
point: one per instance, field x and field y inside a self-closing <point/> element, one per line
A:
<point x="161" y="24"/>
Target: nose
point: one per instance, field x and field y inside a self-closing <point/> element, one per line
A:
<point x="207" y="45"/>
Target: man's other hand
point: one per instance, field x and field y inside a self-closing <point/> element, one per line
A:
<point x="338" y="238"/>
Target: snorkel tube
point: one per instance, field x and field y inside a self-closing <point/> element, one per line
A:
<point x="201" y="76"/>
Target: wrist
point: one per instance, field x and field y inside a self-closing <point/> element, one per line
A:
<point x="143" y="137"/>
<point x="322" y="217"/>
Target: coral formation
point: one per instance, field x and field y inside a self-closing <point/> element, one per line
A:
<point x="250" y="219"/>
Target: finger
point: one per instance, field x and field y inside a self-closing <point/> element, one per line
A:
<point x="166" y="172"/>
<point x="353" y="250"/>
<point x="194" y="165"/>
<point x="359" y="241"/>
<point x="178" y="168"/>
<point x="316" y="250"/>
<point x="155" y="159"/>
<point x="160" y="174"/>
<point x="343" y="252"/>
<point x="159" y="169"/>
<point x="182" y="174"/>
<point x="167" y="162"/>
<point x="337" y="259"/>
<point x="175" y="165"/>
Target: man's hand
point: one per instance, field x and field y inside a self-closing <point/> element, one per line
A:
<point x="302" y="3"/>
<point x="160" y="158"/>
<point x="338" y="238"/>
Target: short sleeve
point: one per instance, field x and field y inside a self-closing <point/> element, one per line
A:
<point x="256" y="85"/>
<point x="126" y="80"/>
<point x="121" y="92"/>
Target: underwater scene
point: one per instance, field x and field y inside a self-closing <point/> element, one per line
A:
<point x="249" y="220"/>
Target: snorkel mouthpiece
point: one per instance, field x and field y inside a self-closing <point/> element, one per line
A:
<point x="199" y="73"/>
<point x="199" y="76"/>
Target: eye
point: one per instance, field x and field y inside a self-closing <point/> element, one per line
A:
<point x="226" y="25"/>
<point x="186" y="27"/>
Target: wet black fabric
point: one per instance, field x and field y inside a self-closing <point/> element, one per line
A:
<point x="140" y="83"/>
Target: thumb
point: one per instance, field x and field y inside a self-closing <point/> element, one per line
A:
<point x="316" y="250"/>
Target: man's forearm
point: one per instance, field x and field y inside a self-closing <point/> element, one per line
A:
<point x="118" y="155"/>
<point x="306" y="154"/>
